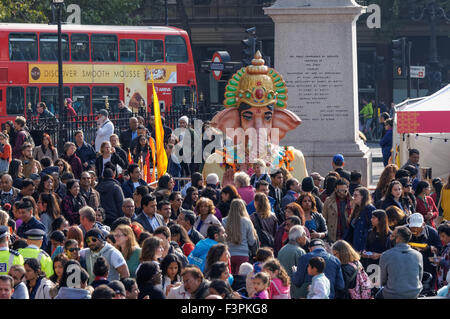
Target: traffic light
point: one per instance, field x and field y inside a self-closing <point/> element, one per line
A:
<point x="399" y="58"/>
<point x="249" y="50"/>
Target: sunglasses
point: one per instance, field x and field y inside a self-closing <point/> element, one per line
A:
<point x="73" y="249"/>
<point x="91" y="239"/>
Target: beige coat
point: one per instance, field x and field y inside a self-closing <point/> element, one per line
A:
<point x="330" y="213"/>
<point x="38" y="153"/>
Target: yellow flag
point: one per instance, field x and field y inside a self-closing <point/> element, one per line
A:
<point x="161" y="156"/>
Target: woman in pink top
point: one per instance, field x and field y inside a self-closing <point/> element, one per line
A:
<point x="280" y="282"/>
<point x="242" y="182"/>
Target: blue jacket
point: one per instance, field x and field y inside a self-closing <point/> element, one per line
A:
<point x="174" y="169"/>
<point x="386" y="144"/>
<point x="360" y="228"/>
<point x="33" y="223"/>
<point x="86" y="153"/>
<point x="332" y="270"/>
<point x="251" y="206"/>
<point x="198" y="256"/>
<point x="128" y="187"/>
<point x="288" y="198"/>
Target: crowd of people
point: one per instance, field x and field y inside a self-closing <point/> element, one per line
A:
<point x="89" y="213"/>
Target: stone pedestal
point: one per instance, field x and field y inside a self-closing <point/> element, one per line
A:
<point x="315" y="51"/>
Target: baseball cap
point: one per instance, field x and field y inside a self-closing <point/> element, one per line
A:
<point x="338" y="159"/>
<point x="103" y="112"/>
<point x="35" y="177"/>
<point x="415" y="220"/>
<point x="316" y="242"/>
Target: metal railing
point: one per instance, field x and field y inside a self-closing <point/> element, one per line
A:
<point x="88" y="124"/>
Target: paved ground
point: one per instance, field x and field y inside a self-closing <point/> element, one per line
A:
<point x="377" y="163"/>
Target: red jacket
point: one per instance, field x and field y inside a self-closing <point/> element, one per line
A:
<point x="7" y="152"/>
<point x="424" y="209"/>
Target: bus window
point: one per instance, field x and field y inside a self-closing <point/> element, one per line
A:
<point x="33" y="97"/>
<point x="80" y="47"/>
<point x="23" y="47"/>
<point x="176" y="50"/>
<point x="15" y="100"/>
<point x="49" y="95"/>
<point x="104" y="47"/>
<point x="150" y="51"/>
<point x="127" y="50"/>
<point x="178" y="94"/>
<point x="81" y="96"/>
<point x="48" y="45"/>
<point x="99" y="95"/>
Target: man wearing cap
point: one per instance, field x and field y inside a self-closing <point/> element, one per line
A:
<point x="401" y="269"/>
<point x="97" y="246"/>
<point x="338" y="166"/>
<point x="105" y="128"/>
<point x="34" y="239"/>
<point x="8" y="257"/>
<point x="332" y="269"/>
<point x="70" y="110"/>
<point x="29" y="222"/>
<point x="188" y="165"/>
<point x="425" y="234"/>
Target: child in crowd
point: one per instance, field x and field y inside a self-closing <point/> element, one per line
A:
<point x="279" y="280"/>
<point x="260" y="284"/>
<point x="320" y="285"/>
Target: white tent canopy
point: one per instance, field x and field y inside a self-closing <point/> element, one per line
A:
<point x="434" y="147"/>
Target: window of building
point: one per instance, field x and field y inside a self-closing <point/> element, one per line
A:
<point x="99" y="96"/>
<point x="32" y="97"/>
<point x="176" y="50"/>
<point x="104" y="47"/>
<point x="150" y="51"/>
<point x="181" y="96"/>
<point x="48" y="45"/>
<point x="127" y="50"/>
<point x="80" y="47"/>
<point x="15" y="100"/>
<point x="81" y="96"/>
<point x="23" y="47"/>
<point x="49" y="95"/>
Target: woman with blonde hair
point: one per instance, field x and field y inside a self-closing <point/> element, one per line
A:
<point x="350" y="265"/>
<point x="108" y="154"/>
<point x="205" y="215"/>
<point x="115" y="143"/>
<point x="240" y="234"/>
<point x="127" y="244"/>
<point x="264" y="220"/>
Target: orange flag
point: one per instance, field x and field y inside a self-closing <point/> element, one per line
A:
<point x="130" y="159"/>
<point x="152" y="178"/>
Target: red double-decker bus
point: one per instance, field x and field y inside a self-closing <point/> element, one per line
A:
<point x="100" y="64"/>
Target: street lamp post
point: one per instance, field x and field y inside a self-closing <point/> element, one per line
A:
<point x="434" y="12"/>
<point x="58" y="5"/>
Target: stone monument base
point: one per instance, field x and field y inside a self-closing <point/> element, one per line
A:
<point x="319" y="156"/>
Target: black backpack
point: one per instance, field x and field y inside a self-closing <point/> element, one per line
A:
<point x="265" y="238"/>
